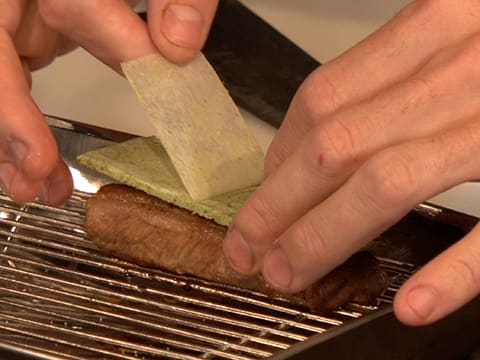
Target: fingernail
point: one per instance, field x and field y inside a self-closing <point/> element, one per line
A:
<point x="18" y="151"/>
<point x="238" y="251"/>
<point x="277" y="269"/>
<point x="183" y="25"/>
<point x="422" y="301"/>
<point x="43" y="196"/>
<point x="56" y="192"/>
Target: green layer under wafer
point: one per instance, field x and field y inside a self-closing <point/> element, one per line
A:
<point x="144" y="164"/>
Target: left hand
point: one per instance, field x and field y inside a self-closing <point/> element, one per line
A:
<point x="390" y="123"/>
<point x="34" y="32"/>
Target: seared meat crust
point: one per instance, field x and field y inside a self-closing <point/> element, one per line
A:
<point x="135" y="226"/>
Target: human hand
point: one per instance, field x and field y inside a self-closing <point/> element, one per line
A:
<point x="33" y="33"/>
<point x="390" y="123"/>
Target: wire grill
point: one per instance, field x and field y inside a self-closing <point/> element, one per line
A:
<point x="60" y="298"/>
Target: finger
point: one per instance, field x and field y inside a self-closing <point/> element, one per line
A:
<point x="385" y="187"/>
<point x="109" y="29"/>
<point x="11" y="15"/>
<point x="180" y="28"/>
<point x="56" y="189"/>
<point x="335" y="149"/>
<point x="443" y="285"/>
<point x="34" y="40"/>
<point x="375" y="64"/>
<point x="28" y="152"/>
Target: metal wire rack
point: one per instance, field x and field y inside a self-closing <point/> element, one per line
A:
<point x="60" y="298"/>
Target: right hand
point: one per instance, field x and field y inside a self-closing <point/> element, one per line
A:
<point x="369" y="135"/>
<point x="33" y="33"/>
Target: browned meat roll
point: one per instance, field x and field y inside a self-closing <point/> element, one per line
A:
<point x="135" y="226"/>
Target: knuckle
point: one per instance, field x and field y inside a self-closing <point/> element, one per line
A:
<point x="445" y="71"/>
<point x="9" y="13"/>
<point x="321" y="91"/>
<point x="464" y="272"/>
<point x="459" y="65"/>
<point x="53" y="11"/>
<point x="258" y="218"/>
<point x="67" y="15"/>
<point x="273" y="160"/>
<point x="389" y="179"/>
<point x="310" y="242"/>
<point x="334" y="147"/>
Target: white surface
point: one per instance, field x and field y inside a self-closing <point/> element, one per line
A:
<point x="326" y="28"/>
<point x="79" y="87"/>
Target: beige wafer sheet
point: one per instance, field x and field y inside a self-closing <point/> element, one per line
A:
<point x="206" y="138"/>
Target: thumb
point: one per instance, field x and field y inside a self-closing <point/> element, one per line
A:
<point x="179" y="28"/>
<point x="443" y="285"/>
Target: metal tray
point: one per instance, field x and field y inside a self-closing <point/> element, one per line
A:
<point x="61" y="298"/>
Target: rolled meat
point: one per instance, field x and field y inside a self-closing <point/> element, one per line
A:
<point x="130" y="224"/>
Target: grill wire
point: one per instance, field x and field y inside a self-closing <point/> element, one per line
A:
<point x="60" y="298"/>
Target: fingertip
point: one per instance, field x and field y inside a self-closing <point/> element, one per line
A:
<point x="16" y="178"/>
<point x="59" y="185"/>
<point x="177" y="54"/>
<point x="179" y="30"/>
<point x="178" y="33"/>
<point x="27" y="141"/>
<point x="31" y="164"/>
<point x="415" y="306"/>
<point x="35" y="152"/>
<point x="238" y="252"/>
<point x="22" y="190"/>
<point x="404" y="313"/>
<point x="54" y="190"/>
<point x="183" y="26"/>
<point x="277" y="270"/>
